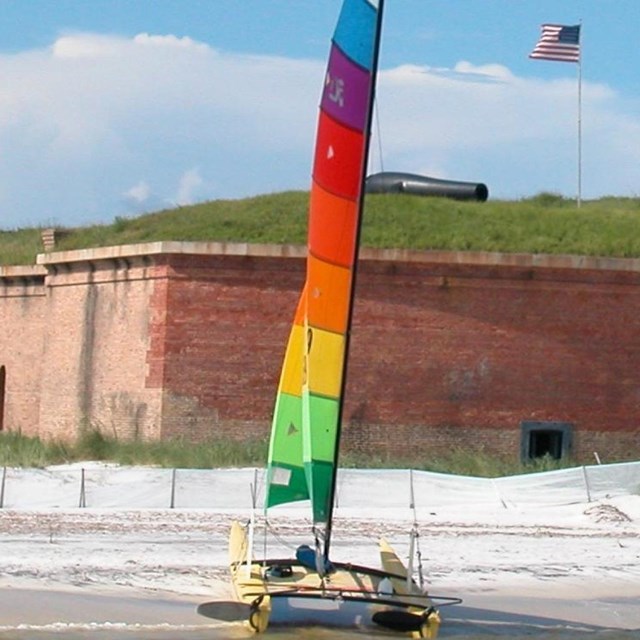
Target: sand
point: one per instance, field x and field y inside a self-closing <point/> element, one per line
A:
<point x="571" y="566"/>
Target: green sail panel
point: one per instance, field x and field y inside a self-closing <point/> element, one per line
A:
<point x="286" y="480"/>
<point x="320" y="420"/>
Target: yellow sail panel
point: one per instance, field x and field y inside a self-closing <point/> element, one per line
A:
<point x="291" y="377"/>
<point x="328" y="288"/>
<point x="325" y="363"/>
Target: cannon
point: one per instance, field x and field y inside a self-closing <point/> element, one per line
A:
<point x="395" y="182"/>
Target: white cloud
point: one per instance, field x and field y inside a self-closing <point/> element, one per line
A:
<point x="189" y="182"/>
<point x="138" y="193"/>
<point x="84" y="46"/>
<point x="185" y="42"/>
<point x="91" y="45"/>
<point x="84" y="120"/>
<point x="492" y="71"/>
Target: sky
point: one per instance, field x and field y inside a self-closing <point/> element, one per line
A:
<point x="112" y="108"/>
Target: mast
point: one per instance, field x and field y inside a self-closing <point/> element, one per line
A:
<point x="360" y="208"/>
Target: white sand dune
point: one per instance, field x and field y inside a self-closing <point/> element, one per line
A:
<point x="570" y="559"/>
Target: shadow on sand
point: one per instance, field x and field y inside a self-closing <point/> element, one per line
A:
<point x="477" y="623"/>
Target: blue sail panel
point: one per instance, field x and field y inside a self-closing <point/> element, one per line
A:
<point x="355" y="32"/>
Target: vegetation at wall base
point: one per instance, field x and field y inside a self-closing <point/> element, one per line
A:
<point x="17" y="450"/>
<point x="461" y="462"/>
<point x="546" y="223"/>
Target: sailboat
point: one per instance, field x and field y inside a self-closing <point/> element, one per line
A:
<point x="305" y="437"/>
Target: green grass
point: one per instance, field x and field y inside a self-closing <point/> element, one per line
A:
<point x="20" y="247"/>
<point x="17" y="450"/>
<point x="546" y="223"/>
<point x="459" y="462"/>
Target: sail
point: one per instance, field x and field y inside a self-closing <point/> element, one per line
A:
<point x="306" y="426"/>
<point x="286" y="480"/>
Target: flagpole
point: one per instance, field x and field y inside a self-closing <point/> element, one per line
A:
<point x="561" y="43"/>
<point x="579" y="200"/>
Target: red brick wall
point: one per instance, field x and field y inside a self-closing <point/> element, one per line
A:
<point x="227" y="321"/>
<point x="95" y="344"/>
<point x="21" y="342"/>
<point x="471" y="352"/>
<point x="186" y="340"/>
<point x="443" y="354"/>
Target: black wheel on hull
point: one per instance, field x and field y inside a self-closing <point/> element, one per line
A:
<point x="258" y="619"/>
<point x="401" y="620"/>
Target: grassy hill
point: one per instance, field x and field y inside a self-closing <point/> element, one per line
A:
<point x="546" y="223"/>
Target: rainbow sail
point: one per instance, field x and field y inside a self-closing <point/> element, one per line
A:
<point x="303" y="451"/>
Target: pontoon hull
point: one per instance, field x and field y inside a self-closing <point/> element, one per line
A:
<point x="283" y="592"/>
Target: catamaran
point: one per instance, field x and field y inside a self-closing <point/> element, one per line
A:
<point x="305" y="437"/>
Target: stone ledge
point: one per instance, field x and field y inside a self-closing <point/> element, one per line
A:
<point x="169" y="248"/>
<point x="481" y="258"/>
<point x="21" y="271"/>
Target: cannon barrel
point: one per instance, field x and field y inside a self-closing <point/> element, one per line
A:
<point x="394" y="182"/>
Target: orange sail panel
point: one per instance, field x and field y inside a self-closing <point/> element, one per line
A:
<point x="328" y="291"/>
<point x="332" y="228"/>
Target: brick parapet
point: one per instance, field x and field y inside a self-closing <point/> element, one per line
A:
<point x="186" y="340"/>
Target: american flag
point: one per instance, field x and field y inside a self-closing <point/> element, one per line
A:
<point x="558" y="42"/>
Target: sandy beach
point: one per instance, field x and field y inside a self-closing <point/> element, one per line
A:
<point x="574" y="566"/>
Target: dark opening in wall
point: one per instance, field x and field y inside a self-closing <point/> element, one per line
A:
<point x="539" y="439"/>
<point x="3" y="377"/>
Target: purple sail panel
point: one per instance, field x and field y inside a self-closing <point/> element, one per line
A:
<point x="346" y="91"/>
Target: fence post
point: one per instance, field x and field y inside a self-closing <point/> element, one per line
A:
<point x="412" y="495"/>
<point x="83" y="498"/>
<point x="586" y="483"/>
<point x="496" y="490"/>
<point x="4" y="478"/>
<point x="173" y="489"/>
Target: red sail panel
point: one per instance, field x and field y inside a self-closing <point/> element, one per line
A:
<point x="338" y="158"/>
